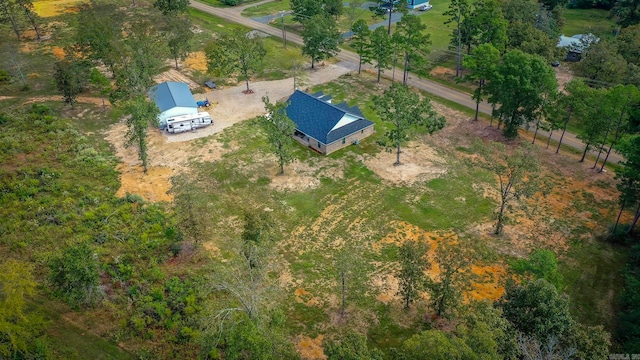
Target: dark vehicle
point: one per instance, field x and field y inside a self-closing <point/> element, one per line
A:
<point x="210" y="84"/>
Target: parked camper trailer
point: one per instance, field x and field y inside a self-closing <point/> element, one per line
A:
<point x="188" y="122"/>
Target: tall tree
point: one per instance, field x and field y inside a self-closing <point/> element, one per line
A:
<point x="520" y="86"/>
<point x="236" y="51"/>
<point x="573" y="101"/>
<point x="626" y="12"/>
<point x="333" y="7"/>
<point x="279" y="128"/>
<point x="10" y="11"/>
<point x="361" y="41"/>
<point x="405" y="112"/>
<point x="352" y="11"/>
<point x="593" y="124"/>
<point x="179" y="37"/>
<point x="350" y="272"/>
<point x="142" y="114"/>
<point x="140" y="58"/>
<point x="621" y="100"/>
<point x="485" y="25"/>
<point x="321" y="38"/>
<point x="71" y="77"/>
<point x="602" y="64"/>
<point x="412" y="40"/>
<point x="537" y="309"/>
<point x="457" y="13"/>
<point x="31" y="15"/>
<point x="381" y="50"/>
<point x="99" y="32"/>
<point x="628" y="42"/>
<point x="100" y="83"/>
<point x="305" y="9"/>
<point x="383" y="7"/>
<point x="628" y="176"/>
<point x="171" y="7"/>
<point x="482" y="64"/>
<point x="413" y="264"/>
<point x="454" y="259"/>
<point x="517" y="172"/>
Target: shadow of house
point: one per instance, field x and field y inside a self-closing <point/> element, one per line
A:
<point x="323" y="126"/>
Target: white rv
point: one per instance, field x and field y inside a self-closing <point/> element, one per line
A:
<point x="182" y="123"/>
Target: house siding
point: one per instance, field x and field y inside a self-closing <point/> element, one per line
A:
<point x="349" y="140"/>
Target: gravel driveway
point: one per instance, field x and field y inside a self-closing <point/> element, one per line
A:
<point x="230" y="105"/>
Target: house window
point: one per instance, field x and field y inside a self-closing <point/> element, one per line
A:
<point x="319" y="145"/>
<point x="362" y="131"/>
<point x="344" y="140"/>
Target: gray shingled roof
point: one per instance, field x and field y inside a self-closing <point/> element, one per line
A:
<point x="172" y="94"/>
<point x="316" y="117"/>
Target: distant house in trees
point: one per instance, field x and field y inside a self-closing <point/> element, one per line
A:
<point x="412" y="4"/>
<point x="323" y="126"/>
<point x="576" y="44"/>
<point x="174" y="99"/>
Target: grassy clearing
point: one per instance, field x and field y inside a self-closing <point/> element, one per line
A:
<point x="213" y="23"/>
<point x="269" y="8"/>
<point x="582" y="21"/>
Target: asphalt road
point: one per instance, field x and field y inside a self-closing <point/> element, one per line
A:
<point x="234" y="14"/>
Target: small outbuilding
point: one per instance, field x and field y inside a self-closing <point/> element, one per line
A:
<point x="576" y="44"/>
<point x="323" y="126"/>
<point x="174" y="99"/>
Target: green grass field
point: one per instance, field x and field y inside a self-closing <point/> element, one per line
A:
<point x="582" y="21"/>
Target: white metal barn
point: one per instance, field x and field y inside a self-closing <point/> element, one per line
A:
<point x="173" y="99"/>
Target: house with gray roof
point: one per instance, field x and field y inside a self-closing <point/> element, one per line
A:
<point x="576" y="44"/>
<point x="173" y="99"/>
<point x="323" y="126"/>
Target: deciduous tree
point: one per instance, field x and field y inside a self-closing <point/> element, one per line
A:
<point x="236" y="52"/>
<point x="602" y="64"/>
<point x="454" y="259"/>
<point x="381" y="50"/>
<point x="457" y="13"/>
<point x="412" y="40"/>
<point x="179" y="37"/>
<point x="72" y="76"/>
<point x="405" y="112"/>
<point x="520" y="86"/>
<point x="352" y="346"/>
<point x="361" y="41"/>
<point x="412" y="256"/>
<point x="279" y="128"/>
<point x="517" y="172"/>
<point x="142" y="114"/>
<point x="321" y="38"/>
<point x="482" y="64"/>
<point x="626" y="12"/>
<point x="628" y="175"/>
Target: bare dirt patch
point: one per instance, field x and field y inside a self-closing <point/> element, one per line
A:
<point x="175" y="75"/>
<point x="563" y="75"/>
<point x="488" y="285"/>
<point x="419" y="162"/>
<point x="165" y="160"/>
<point x="310" y="348"/>
<point x="196" y="61"/>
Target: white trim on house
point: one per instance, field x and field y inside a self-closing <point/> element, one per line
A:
<point x="346" y="119"/>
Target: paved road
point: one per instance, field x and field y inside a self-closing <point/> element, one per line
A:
<point x="462" y="98"/>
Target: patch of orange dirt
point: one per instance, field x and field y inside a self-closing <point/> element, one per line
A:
<point x="309" y="348"/>
<point x="305" y="297"/>
<point x="165" y="160"/>
<point x="489" y="277"/>
<point x="58" y="52"/>
<point x="152" y="186"/>
<point x="196" y="61"/>
<point x="49" y="8"/>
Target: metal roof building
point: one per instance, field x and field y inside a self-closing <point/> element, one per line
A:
<point x="173" y="99"/>
<point x="323" y="126"/>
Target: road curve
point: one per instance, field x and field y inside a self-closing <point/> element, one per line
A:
<point x="457" y="96"/>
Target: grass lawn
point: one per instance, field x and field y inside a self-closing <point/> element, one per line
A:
<point x="582" y="21"/>
<point x="269" y="8"/>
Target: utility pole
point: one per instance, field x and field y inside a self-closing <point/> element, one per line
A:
<point x="284" y="33"/>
